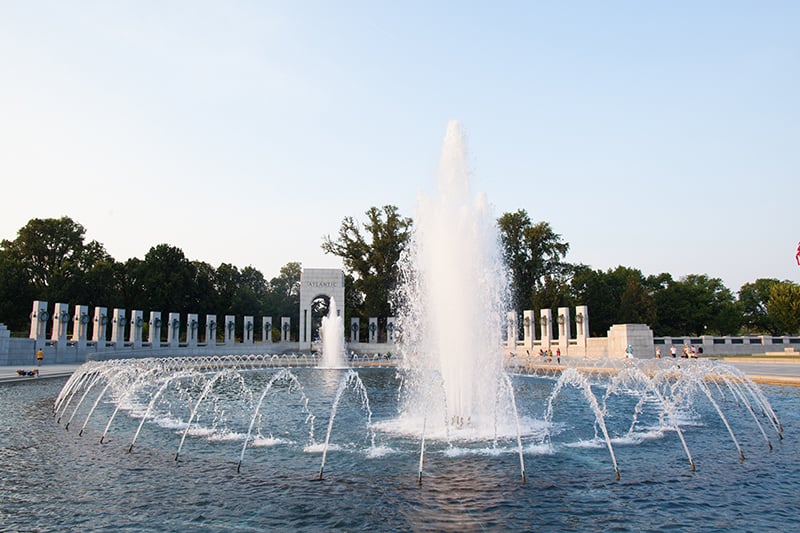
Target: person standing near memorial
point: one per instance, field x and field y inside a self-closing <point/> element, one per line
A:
<point x="39" y="357"/>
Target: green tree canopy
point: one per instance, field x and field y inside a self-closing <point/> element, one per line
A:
<point x="783" y="307"/>
<point x="16" y="293"/>
<point x="617" y="296"/>
<point x="371" y="254"/>
<point x="534" y="254"/>
<point x="753" y="298"/>
<point x="696" y="305"/>
<point x="283" y="296"/>
<point x="54" y="256"/>
<point x="168" y="277"/>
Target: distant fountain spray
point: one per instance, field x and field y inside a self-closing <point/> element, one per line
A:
<point x="332" y="333"/>
<point x="451" y="300"/>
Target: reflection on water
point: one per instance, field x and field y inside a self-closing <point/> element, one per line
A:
<point x="54" y="480"/>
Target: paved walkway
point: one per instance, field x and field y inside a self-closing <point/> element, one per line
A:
<point x="770" y="372"/>
<point x="9" y="373"/>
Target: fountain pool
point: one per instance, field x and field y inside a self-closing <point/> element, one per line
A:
<point x="62" y="480"/>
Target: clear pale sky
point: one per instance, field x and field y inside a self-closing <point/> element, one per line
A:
<point x="657" y="135"/>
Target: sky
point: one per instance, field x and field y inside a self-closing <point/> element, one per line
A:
<point x="663" y="136"/>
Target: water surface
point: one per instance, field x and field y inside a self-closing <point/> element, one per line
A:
<point x="55" y="480"/>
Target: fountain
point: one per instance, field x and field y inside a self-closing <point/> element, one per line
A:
<point x="452" y="409"/>
<point x="332" y="335"/>
<point x="452" y="300"/>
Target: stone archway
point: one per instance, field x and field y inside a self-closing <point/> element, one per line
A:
<point x="316" y="282"/>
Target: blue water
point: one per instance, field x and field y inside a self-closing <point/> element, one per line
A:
<point x="55" y="480"/>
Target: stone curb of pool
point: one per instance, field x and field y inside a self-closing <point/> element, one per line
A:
<point x="8" y="374"/>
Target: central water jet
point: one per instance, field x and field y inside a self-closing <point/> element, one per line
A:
<point x="451" y="300"/>
<point x="331" y="332"/>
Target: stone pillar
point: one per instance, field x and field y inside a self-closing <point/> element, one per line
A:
<point x="100" y="329"/>
<point x="230" y="330"/>
<point x="5" y="337"/>
<point x="174" y="330"/>
<point x="135" y="334"/>
<point x="286" y="329"/>
<point x="80" y="327"/>
<point x="266" y="329"/>
<point x="638" y="336"/>
<point x="511" y="330"/>
<point x="39" y="318"/>
<point x="192" y="330"/>
<point x="248" y="330"/>
<point x="707" y="344"/>
<point x="528" y="329"/>
<point x="154" y="333"/>
<point x="668" y="342"/>
<point x="582" y="324"/>
<point x="546" y="321"/>
<point x="355" y="326"/>
<point x="391" y="329"/>
<point x="564" y="329"/>
<point x="118" y="328"/>
<point x="373" y="329"/>
<point x="60" y="321"/>
<point x="211" y="330"/>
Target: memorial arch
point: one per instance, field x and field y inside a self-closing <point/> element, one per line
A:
<point x="316" y="282"/>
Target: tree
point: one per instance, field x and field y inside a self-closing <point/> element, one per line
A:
<point x="534" y="255"/>
<point x="226" y="282"/>
<point x="168" y="277"/>
<point x="286" y="286"/>
<point x="16" y="293"/>
<point x="204" y="297"/>
<point x="131" y="289"/>
<point x="372" y="256"/>
<point x="283" y="296"/>
<point x="251" y="293"/>
<point x="54" y="256"/>
<point x="783" y="307"/>
<point x="696" y="305"/>
<point x="618" y="296"/>
<point x="753" y="298"/>
<point x="101" y="285"/>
